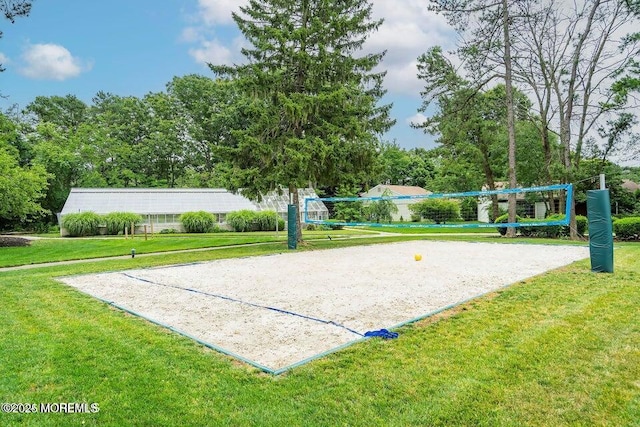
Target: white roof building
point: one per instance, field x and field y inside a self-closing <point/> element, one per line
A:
<point x="403" y="213"/>
<point x="146" y="201"/>
<point x="163" y="206"/>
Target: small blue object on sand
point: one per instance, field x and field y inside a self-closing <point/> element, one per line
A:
<point x="382" y="333"/>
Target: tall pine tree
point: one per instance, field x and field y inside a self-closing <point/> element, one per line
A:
<point x="313" y="96"/>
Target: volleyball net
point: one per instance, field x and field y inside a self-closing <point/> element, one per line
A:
<point x="535" y="206"/>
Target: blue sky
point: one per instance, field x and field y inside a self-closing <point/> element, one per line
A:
<point x="132" y="47"/>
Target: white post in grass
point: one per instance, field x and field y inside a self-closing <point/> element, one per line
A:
<point x="602" y="182"/>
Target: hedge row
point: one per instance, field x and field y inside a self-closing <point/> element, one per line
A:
<point x="241" y="221"/>
<point x="551" y="231"/>
<point x="437" y="210"/>
<point x="627" y="228"/>
<point x="88" y="223"/>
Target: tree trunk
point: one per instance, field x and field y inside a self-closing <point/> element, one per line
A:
<point x="511" y="127"/>
<point x="295" y="200"/>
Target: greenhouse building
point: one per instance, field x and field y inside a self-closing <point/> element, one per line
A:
<point x="162" y="207"/>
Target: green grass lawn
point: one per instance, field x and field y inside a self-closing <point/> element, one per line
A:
<point x="559" y="349"/>
<point x="66" y="249"/>
<point x="63" y="249"/>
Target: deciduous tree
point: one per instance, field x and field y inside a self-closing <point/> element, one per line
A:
<point x="488" y="52"/>
<point x="21" y="188"/>
<point x="578" y="62"/>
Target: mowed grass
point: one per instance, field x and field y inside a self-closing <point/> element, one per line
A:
<point x="64" y="249"/>
<point x="559" y="349"/>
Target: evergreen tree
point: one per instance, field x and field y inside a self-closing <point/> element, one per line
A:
<point x="313" y="96"/>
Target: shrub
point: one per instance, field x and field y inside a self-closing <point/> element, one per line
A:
<point x="266" y="221"/>
<point x="82" y="224"/>
<point x="627" y="228"/>
<point x="551" y="231"/>
<point x="168" y="231"/>
<point x="381" y="210"/>
<point x="197" y="222"/>
<point x="246" y="220"/>
<point x="582" y="223"/>
<point x="41" y="227"/>
<point x="349" y="211"/>
<point x="242" y="221"/>
<point x="438" y="210"/>
<point x="500" y="213"/>
<point x="505" y="218"/>
<point x="469" y="209"/>
<point x="116" y="222"/>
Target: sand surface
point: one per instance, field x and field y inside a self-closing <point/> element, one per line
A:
<point x="332" y="296"/>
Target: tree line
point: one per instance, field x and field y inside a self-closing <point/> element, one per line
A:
<point x="536" y="93"/>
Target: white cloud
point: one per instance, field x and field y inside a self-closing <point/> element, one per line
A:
<point x="217" y="53"/>
<point x="190" y="35"/>
<point x="416" y="119"/>
<point x="218" y="11"/>
<point x="211" y="52"/>
<point x="409" y="29"/>
<point x="3" y="58"/>
<point x="213" y="17"/>
<point x="51" y="62"/>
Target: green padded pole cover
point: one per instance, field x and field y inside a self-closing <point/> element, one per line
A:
<point x="600" y="231"/>
<point x="292" y="231"/>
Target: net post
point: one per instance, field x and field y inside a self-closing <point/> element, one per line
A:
<point x="568" y="202"/>
<point x="600" y="231"/>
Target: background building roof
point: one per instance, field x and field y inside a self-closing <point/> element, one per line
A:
<point x="176" y="201"/>
<point x="154" y="200"/>
<point x="395" y="190"/>
<point x="629" y="185"/>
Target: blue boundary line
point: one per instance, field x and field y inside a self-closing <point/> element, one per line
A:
<point x="306" y="360"/>
<point x="186" y="335"/>
<point x="399" y="325"/>
<point x="224" y="297"/>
